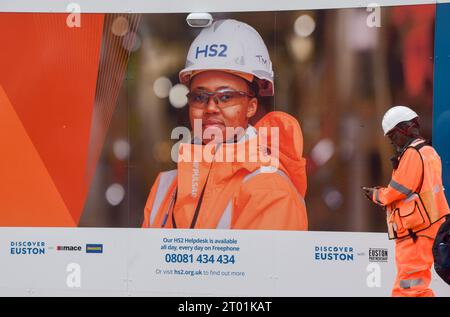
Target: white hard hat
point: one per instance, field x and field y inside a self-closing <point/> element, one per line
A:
<point x="234" y="47"/>
<point x="395" y="115"/>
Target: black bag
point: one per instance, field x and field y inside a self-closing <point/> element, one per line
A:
<point x="441" y="251"/>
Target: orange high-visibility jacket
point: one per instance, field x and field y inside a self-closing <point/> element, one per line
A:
<point x="241" y="194"/>
<point x="415" y="196"/>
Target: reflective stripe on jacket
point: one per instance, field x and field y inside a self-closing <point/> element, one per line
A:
<point x="414" y="198"/>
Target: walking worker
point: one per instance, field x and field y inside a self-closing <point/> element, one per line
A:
<point x="227" y="69"/>
<point x="414" y="201"/>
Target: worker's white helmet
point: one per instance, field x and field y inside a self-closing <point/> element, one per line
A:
<point x="395" y="115"/>
<point x="231" y="46"/>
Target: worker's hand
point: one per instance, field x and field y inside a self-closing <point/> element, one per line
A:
<point x="368" y="191"/>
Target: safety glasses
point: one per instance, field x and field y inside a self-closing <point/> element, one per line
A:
<point x="222" y="98"/>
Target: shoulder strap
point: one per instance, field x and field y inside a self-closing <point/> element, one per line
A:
<point x="417" y="147"/>
<point x="420" y="145"/>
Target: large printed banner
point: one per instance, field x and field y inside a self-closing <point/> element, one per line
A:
<point x="109" y="262"/>
<point x="93" y="115"/>
<point x="265" y="125"/>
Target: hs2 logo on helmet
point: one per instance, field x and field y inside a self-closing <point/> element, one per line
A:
<point x="211" y="50"/>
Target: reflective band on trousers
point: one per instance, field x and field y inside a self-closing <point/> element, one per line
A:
<point x="400" y="188"/>
<point x="165" y="180"/>
<point x="225" y="220"/>
<point x="410" y="283"/>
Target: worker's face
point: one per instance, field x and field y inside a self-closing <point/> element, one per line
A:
<point x="398" y="139"/>
<point x="403" y="133"/>
<point x="233" y="110"/>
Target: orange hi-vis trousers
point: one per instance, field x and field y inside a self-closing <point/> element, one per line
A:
<point x="414" y="261"/>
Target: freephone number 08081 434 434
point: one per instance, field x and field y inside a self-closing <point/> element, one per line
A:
<point x="201" y="258"/>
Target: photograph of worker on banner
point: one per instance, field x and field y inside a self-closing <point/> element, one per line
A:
<point x="414" y="200"/>
<point x="260" y="120"/>
<point x="256" y="178"/>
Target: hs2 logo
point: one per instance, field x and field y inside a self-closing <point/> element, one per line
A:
<point x="211" y="50"/>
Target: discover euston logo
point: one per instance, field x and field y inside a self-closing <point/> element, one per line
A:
<point x="334" y="253"/>
<point x="27" y="248"/>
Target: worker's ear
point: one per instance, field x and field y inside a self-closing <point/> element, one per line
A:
<point x="252" y="107"/>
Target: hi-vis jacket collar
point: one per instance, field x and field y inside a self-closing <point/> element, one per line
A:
<point x="235" y="195"/>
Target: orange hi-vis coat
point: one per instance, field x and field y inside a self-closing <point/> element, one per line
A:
<point x="238" y="193"/>
<point x="415" y="207"/>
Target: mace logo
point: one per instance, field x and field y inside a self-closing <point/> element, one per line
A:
<point x="378" y="255"/>
<point x="27" y="247"/>
<point x="94" y="248"/>
<point x="69" y="248"/>
<point x="333" y="253"/>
